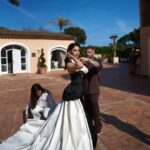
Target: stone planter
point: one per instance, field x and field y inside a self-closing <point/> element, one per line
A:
<point x="116" y="60"/>
<point x="132" y="68"/>
<point x="105" y="60"/>
<point x="42" y="70"/>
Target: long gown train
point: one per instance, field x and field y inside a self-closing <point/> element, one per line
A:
<point x="65" y="129"/>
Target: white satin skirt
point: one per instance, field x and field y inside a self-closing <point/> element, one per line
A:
<point x="65" y="129"/>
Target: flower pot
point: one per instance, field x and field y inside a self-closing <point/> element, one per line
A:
<point x="42" y="70"/>
<point x="132" y="68"/>
<point x="116" y="60"/>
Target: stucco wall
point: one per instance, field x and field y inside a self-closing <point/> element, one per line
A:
<point x="33" y="45"/>
<point x="145" y="36"/>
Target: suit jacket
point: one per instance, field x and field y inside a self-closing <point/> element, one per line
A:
<point x="91" y="80"/>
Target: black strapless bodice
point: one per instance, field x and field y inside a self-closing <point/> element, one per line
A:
<point x="74" y="90"/>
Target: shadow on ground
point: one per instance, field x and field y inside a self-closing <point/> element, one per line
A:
<point x="126" y="127"/>
<point x="117" y="77"/>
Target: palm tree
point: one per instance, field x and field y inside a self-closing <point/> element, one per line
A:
<point x="135" y="37"/>
<point x="114" y="37"/>
<point x="14" y="2"/>
<point x="61" y="23"/>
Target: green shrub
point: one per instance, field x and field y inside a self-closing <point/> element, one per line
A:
<point x="41" y="59"/>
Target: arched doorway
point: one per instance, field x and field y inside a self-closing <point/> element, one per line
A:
<point x="13" y="59"/>
<point x="57" y="56"/>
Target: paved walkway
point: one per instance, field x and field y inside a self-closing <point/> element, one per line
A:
<point x="124" y="102"/>
<point x="125" y="109"/>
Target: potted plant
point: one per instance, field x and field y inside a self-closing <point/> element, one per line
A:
<point x="133" y="56"/>
<point x="42" y="68"/>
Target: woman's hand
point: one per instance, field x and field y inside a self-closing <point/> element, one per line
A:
<point x="70" y="56"/>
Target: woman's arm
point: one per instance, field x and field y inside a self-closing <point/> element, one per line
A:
<point x="51" y="105"/>
<point x="40" y="106"/>
<point x="75" y="65"/>
<point x="45" y="105"/>
<point x="96" y="63"/>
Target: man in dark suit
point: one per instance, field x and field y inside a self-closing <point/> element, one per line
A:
<point x="91" y="83"/>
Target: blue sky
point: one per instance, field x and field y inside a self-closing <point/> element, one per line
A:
<point x="99" y="18"/>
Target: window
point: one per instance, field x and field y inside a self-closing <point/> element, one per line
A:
<point x="23" y="66"/>
<point x="17" y="47"/>
<point x="9" y="47"/>
<point x="23" y="52"/>
<point x="4" y="68"/>
<point x="3" y="53"/>
<point x="6" y="58"/>
<point x="3" y="60"/>
<point x="23" y="59"/>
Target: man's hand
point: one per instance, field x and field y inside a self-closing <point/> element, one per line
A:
<point x="84" y="59"/>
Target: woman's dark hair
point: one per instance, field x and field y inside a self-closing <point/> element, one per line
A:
<point x="34" y="98"/>
<point x="70" y="47"/>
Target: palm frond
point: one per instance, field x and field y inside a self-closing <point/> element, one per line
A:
<point x="14" y="2"/>
<point x="50" y="22"/>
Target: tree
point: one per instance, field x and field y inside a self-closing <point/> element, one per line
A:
<point x="78" y="33"/>
<point x="134" y="36"/>
<point x="3" y="28"/>
<point x="61" y="23"/>
<point x="41" y="59"/>
<point x="128" y="46"/>
<point x="14" y="2"/>
<point x="131" y="39"/>
<point x="41" y="63"/>
<point x="114" y="37"/>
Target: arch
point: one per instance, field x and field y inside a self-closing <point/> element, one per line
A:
<point x="21" y="45"/>
<point x="52" y="49"/>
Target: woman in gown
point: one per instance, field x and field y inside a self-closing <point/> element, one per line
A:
<point x="40" y="106"/>
<point x="67" y="127"/>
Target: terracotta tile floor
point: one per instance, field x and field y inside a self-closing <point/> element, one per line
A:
<point x="124" y="103"/>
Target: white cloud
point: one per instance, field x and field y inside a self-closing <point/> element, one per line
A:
<point x="27" y="13"/>
<point x="122" y="25"/>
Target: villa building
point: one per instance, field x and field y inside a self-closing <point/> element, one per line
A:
<point x="145" y="36"/>
<point x="19" y="50"/>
